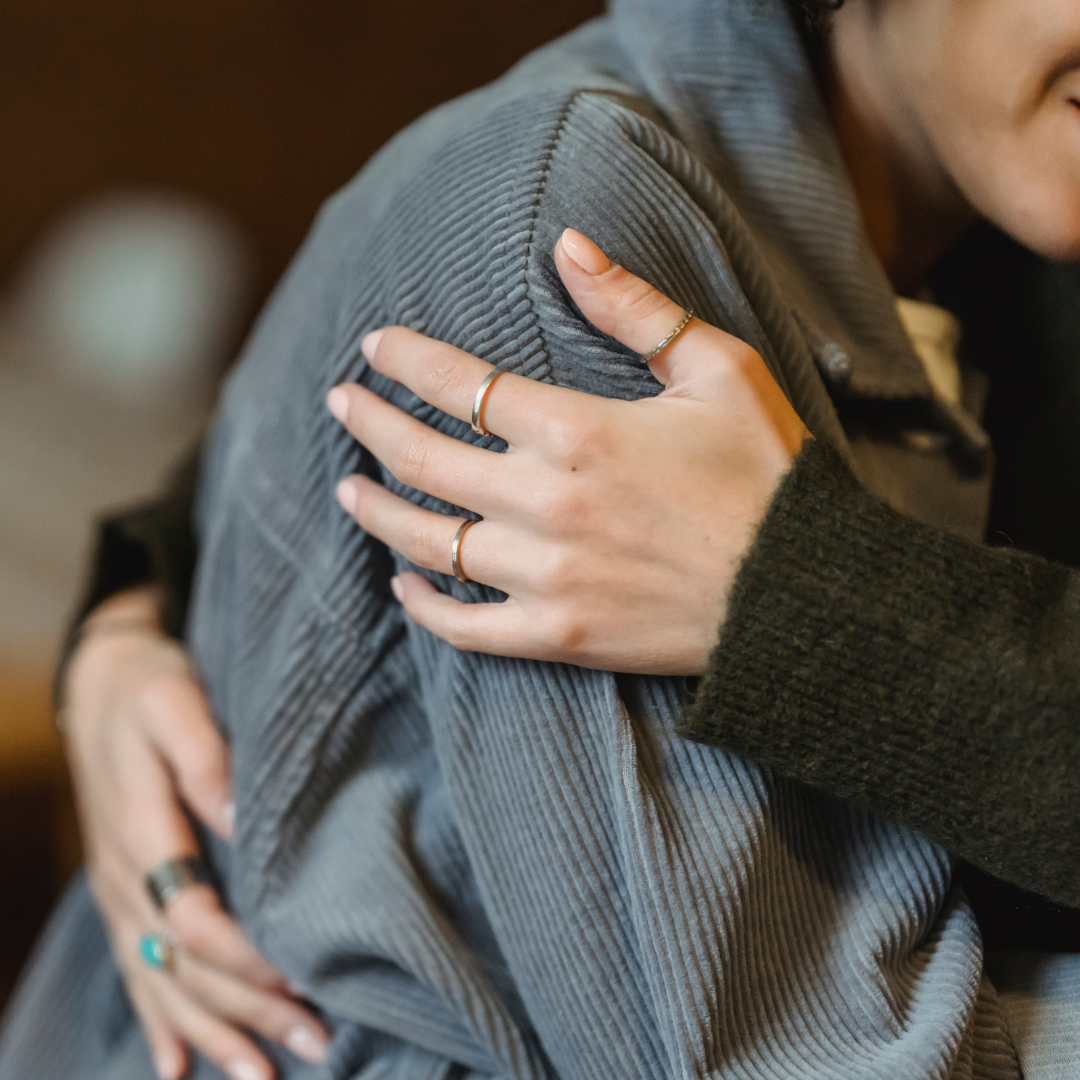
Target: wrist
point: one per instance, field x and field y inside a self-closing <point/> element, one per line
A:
<point x="140" y="607"/>
<point x="137" y="611"/>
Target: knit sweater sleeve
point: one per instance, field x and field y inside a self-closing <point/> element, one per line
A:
<point x="885" y="661"/>
<point x="150" y="543"/>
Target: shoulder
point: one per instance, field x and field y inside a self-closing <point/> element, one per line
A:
<point x="460" y="213"/>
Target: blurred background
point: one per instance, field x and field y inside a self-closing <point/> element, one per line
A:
<point x="159" y="164"/>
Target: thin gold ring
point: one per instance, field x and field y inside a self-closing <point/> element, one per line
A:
<point x="687" y="316"/>
<point x="481" y="399"/>
<point x="455" y="551"/>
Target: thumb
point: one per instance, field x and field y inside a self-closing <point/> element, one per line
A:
<point x="633" y="312"/>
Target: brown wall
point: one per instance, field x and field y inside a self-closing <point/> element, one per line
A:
<point x="264" y="106"/>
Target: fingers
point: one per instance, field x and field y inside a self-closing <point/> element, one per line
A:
<point x="273" y="1016"/>
<point x="418" y="456"/>
<point x="423" y="537"/>
<point x="179" y="722"/>
<point x="173" y="1019"/>
<point x="225" y="1045"/>
<point x="198" y="1004"/>
<point x="632" y="311"/>
<point x="209" y="935"/>
<point x="166" y="1047"/>
<point x="498" y="629"/>
<point x="150" y="822"/>
<point x="449" y="379"/>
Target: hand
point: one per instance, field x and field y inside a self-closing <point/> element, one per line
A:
<point x="615" y="528"/>
<point x="143" y="750"/>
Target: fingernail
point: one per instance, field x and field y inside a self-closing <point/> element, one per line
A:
<point x="371" y="343"/>
<point x="244" y="1070"/>
<point x="337" y="401"/>
<point x="228" y="817"/>
<point x="585" y="253"/>
<point x="346" y="495"/>
<point x="397" y="590"/>
<point x="306" y="1044"/>
<point x="169" y="1066"/>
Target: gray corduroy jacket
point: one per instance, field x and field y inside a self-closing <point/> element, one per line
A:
<point x="493" y="867"/>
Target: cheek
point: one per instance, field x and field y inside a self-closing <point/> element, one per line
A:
<point x="1002" y="124"/>
<point x="1025" y="178"/>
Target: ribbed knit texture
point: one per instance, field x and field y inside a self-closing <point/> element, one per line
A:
<point x="845" y="614"/>
<point x="505" y="868"/>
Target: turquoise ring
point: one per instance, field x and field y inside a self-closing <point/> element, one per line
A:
<point x="157" y="951"/>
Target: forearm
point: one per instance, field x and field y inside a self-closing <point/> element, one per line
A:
<point x="886" y="662"/>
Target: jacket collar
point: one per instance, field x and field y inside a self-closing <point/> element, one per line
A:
<point x="737" y="87"/>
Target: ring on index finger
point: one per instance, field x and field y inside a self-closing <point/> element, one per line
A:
<point x="173" y="876"/>
<point x="481" y="400"/>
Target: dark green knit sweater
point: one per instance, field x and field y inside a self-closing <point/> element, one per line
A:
<point x="932" y="680"/>
<point x="938" y="682"/>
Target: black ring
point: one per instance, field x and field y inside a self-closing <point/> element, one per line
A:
<point x="164" y="882"/>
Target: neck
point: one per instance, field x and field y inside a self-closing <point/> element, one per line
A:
<point x="912" y="211"/>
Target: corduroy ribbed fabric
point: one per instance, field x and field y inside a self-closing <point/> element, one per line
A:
<point x="495" y="867"/>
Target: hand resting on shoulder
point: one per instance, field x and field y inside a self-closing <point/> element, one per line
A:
<point x="614" y="527"/>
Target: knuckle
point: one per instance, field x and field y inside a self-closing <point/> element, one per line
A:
<point x="440" y="377"/>
<point x="459" y="634"/>
<point x="561" y="507"/>
<point x="412" y="462"/>
<point x="427" y="549"/>
<point x="639" y="300"/>
<point x="565" y="633"/>
<point x="576" y="441"/>
<point x="547" y="503"/>
<point x="554" y="573"/>
<point x="738" y="362"/>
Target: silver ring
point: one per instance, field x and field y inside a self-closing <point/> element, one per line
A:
<point x="166" y="881"/>
<point x="687" y="316"/>
<point x="480" y="400"/>
<point x="455" y="551"/>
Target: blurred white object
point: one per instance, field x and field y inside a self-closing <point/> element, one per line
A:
<point x="110" y="349"/>
<point x="138" y="294"/>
